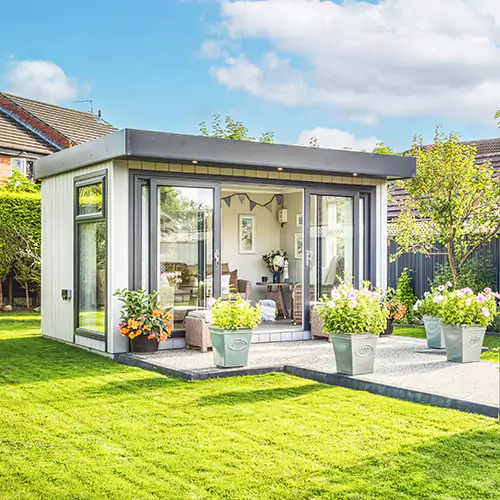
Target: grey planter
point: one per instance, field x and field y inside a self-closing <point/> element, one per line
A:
<point x="434" y="332"/>
<point x="464" y="343"/>
<point x="230" y="347"/>
<point x="354" y="352"/>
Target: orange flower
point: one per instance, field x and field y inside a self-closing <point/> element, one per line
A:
<point x="156" y="313"/>
<point x="169" y="317"/>
<point x="151" y="336"/>
<point x="124" y="331"/>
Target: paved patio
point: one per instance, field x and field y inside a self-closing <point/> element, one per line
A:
<point x="404" y="368"/>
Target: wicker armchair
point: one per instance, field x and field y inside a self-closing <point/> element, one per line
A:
<point x="197" y="332"/>
<point x="317" y="326"/>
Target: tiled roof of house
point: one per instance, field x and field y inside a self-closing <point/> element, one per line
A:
<point x="487" y="149"/>
<point x="14" y="136"/>
<point x="72" y="126"/>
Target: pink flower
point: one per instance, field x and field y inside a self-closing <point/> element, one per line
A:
<point x="448" y="284"/>
<point x="480" y="298"/>
<point x="468" y="302"/>
<point x="441" y="288"/>
<point x="487" y="290"/>
<point x="485" y="311"/>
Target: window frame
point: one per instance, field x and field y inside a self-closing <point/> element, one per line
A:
<point x="80" y="219"/>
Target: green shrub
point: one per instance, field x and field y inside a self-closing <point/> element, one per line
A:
<point x="235" y="313"/>
<point x="464" y="307"/>
<point x="407" y="297"/>
<point x="476" y="273"/>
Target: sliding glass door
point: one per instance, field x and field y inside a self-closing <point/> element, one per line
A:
<point x="181" y="257"/>
<point x="336" y="242"/>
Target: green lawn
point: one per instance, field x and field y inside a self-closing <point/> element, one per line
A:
<point x="74" y="425"/>
<point x="490" y="341"/>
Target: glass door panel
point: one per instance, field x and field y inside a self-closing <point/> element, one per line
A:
<point x="185" y="235"/>
<point x="331" y="243"/>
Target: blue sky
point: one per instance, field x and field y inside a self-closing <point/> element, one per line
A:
<point x="289" y="67"/>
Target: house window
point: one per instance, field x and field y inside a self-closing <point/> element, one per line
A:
<point x="22" y="165"/>
<point x="91" y="257"/>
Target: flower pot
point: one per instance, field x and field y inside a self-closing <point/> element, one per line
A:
<point x="463" y="343"/>
<point x="389" y="329"/>
<point x="354" y="352"/>
<point x="230" y="347"/>
<point x="276" y="276"/>
<point x="143" y="344"/>
<point x="434" y="332"/>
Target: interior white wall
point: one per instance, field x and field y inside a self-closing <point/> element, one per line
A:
<point x="293" y="202"/>
<point x="267" y="237"/>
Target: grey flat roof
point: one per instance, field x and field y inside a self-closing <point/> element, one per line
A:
<point x="161" y="146"/>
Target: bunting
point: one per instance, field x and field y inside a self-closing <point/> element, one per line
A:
<point x="243" y="196"/>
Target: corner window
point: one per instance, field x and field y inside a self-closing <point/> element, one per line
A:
<point x="90" y="255"/>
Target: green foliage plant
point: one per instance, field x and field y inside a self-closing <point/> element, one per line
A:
<point x="142" y="314"/>
<point x="430" y="304"/>
<point x="406" y="295"/>
<point x="465" y="308"/>
<point x="452" y="202"/>
<point x="235" y="313"/>
<point x="477" y="273"/>
<point x="231" y="129"/>
<point x="349" y="310"/>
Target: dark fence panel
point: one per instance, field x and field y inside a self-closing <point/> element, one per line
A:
<point x="423" y="268"/>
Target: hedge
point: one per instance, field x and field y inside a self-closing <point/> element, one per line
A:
<point x="22" y="211"/>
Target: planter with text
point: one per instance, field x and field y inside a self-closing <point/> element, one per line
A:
<point x="430" y="308"/>
<point x="143" y="320"/>
<point x="231" y="331"/>
<point x="354" y="319"/>
<point x="230" y="347"/>
<point x="433" y="332"/>
<point x="465" y="317"/>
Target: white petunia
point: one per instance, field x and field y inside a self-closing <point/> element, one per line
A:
<point x="485" y="311"/>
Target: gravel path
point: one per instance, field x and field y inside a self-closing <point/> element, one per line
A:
<point x="401" y="362"/>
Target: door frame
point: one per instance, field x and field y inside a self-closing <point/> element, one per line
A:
<point x="138" y="180"/>
<point x="357" y="193"/>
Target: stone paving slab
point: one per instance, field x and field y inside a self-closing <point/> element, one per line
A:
<point x="402" y="363"/>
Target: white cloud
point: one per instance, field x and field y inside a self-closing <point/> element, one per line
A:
<point x="394" y="58"/>
<point x="337" y="139"/>
<point x="42" y="80"/>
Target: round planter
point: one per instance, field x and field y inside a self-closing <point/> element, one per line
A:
<point x="464" y="343"/>
<point x="354" y="352"/>
<point x="230" y="347"/>
<point x="434" y="332"/>
<point x="389" y="329"/>
<point x="143" y="344"/>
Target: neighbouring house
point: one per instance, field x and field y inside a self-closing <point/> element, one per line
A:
<point x="188" y="215"/>
<point x="32" y="129"/>
<point x="423" y="267"/>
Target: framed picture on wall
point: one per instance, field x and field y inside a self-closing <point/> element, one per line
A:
<point x="246" y="233"/>
<point x="299" y="220"/>
<point x="298" y="245"/>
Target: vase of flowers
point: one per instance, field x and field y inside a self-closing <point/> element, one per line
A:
<point x="354" y="319"/>
<point x="465" y="316"/>
<point x="430" y="309"/>
<point x="233" y="322"/>
<point x="276" y="261"/>
<point x="143" y="320"/>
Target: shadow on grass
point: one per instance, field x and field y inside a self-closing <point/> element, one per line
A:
<point x="30" y="359"/>
<point x="259" y="395"/>
<point x="465" y="466"/>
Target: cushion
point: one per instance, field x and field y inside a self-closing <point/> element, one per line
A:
<point x="205" y="315"/>
<point x="225" y="278"/>
<point x="268" y="313"/>
<point x="233" y="279"/>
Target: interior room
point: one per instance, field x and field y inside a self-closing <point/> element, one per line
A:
<point x="257" y="220"/>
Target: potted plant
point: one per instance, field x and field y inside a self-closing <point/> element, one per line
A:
<point x="429" y="307"/>
<point x="143" y="320"/>
<point x="465" y="316"/>
<point x="231" y="331"/>
<point x="276" y="261"/>
<point x="395" y="310"/>
<point x="354" y="319"/>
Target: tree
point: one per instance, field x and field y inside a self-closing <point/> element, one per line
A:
<point x="7" y="254"/>
<point x="452" y="202"/>
<point x="232" y="129"/>
<point x="27" y="263"/>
